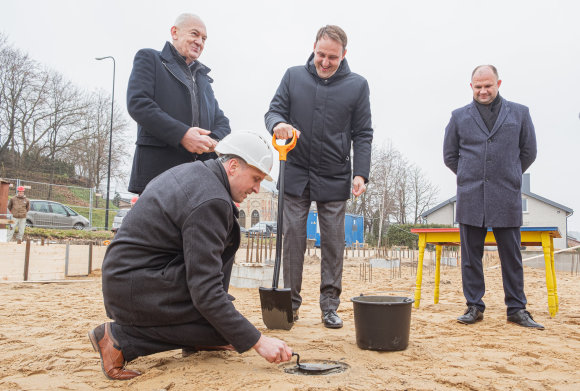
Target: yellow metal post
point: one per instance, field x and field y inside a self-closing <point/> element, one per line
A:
<point x="437" y="272"/>
<point x="554" y="273"/>
<point x="549" y="274"/>
<point x="419" y="270"/>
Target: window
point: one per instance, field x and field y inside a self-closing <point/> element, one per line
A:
<point x="242" y="219"/>
<point x="524" y="205"/>
<point x="70" y="211"/>
<point x="255" y="217"/>
<point x="40" y="207"/>
<point x="58" y="209"/>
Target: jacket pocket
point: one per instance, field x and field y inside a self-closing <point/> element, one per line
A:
<point x="467" y="171"/>
<point x="516" y="179"/>
<point x="145" y="139"/>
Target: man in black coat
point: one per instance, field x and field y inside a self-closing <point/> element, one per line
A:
<point x="167" y="272"/>
<point x="488" y="145"/>
<point x="171" y="99"/>
<point x="329" y="106"/>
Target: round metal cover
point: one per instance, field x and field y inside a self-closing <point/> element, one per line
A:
<point x="316" y="368"/>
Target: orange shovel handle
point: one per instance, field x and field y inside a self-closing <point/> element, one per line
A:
<point x="284" y="149"/>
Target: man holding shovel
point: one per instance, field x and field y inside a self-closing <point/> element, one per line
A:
<point x="329" y="106"/>
<point x="167" y="272"/>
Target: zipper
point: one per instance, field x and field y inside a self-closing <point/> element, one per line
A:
<point x="185" y="85"/>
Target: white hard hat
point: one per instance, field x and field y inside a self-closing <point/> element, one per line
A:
<point x="251" y="147"/>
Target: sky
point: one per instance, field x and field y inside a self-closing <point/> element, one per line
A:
<point x="416" y="55"/>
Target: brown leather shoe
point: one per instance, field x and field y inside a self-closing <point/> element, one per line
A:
<point x="112" y="361"/>
<point x="186" y="352"/>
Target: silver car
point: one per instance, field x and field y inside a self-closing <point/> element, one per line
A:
<point x="118" y="219"/>
<point x="50" y="214"/>
<point x="268" y="228"/>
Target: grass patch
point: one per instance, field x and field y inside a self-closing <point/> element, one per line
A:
<point x="60" y="234"/>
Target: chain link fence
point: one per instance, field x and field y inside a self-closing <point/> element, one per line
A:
<point x="83" y="201"/>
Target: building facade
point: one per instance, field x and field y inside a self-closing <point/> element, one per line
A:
<point x="262" y="206"/>
<point x="537" y="212"/>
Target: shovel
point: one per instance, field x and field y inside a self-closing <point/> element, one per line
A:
<point x="277" y="302"/>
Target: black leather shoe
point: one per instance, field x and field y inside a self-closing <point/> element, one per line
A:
<point x="471" y="315"/>
<point x="331" y="319"/>
<point x="524" y="319"/>
<point x="295" y="315"/>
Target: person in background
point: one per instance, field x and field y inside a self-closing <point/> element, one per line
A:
<point x="18" y="207"/>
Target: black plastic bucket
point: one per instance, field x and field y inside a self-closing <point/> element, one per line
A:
<point x="382" y="322"/>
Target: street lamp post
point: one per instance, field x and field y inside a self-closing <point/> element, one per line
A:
<point x="110" y="142"/>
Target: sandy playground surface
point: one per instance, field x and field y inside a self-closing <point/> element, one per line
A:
<point x="44" y="344"/>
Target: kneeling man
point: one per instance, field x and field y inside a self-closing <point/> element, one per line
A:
<point x="166" y="273"/>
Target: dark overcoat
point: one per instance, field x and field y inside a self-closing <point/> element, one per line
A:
<point x="159" y="99"/>
<point x="171" y="260"/>
<point x="332" y="114"/>
<point x="489" y="164"/>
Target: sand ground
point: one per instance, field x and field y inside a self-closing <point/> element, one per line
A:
<point x="44" y="344"/>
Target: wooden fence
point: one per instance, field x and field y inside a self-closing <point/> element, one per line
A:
<point x="37" y="261"/>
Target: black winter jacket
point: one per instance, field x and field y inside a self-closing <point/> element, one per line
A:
<point x="171" y="260"/>
<point x="332" y="114"/>
<point x="159" y="99"/>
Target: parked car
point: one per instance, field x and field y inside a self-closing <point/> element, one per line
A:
<point x="50" y="214"/>
<point x="267" y="228"/>
<point x="118" y="219"/>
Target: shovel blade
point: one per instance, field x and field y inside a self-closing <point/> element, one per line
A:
<point x="276" y="308"/>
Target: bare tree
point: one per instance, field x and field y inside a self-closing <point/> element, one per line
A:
<point x="377" y="204"/>
<point x="46" y="122"/>
<point x="424" y="193"/>
<point x="402" y="190"/>
<point x="396" y="192"/>
<point x="66" y="109"/>
<point x="17" y="77"/>
<point x="91" y="151"/>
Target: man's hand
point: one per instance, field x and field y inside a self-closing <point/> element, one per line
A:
<point x="273" y="350"/>
<point x="283" y="131"/>
<point x="196" y="140"/>
<point x="358" y="186"/>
